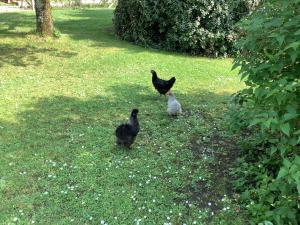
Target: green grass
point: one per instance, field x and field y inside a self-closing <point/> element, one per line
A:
<point x="61" y="100"/>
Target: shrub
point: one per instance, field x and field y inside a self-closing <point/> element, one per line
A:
<point x="268" y="173"/>
<point x="193" y="26"/>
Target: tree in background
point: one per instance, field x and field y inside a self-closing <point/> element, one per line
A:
<point x="44" y="23"/>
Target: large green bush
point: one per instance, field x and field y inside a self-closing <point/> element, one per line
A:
<point x="193" y="26"/>
<point x="268" y="173"/>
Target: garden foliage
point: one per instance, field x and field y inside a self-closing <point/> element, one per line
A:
<point x="268" y="173"/>
<point x="193" y="26"/>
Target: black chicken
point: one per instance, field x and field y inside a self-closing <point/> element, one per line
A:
<point x="162" y="86"/>
<point x="126" y="133"/>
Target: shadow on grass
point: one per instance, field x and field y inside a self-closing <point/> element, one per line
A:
<point x="9" y="22"/>
<point x="79" y="24"/>
<point x="27" y="55"/>
<point x="64" y="129"/>
<point x="52" y="122"/>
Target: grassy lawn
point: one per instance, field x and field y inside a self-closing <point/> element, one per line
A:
<point x="61" y="100"/>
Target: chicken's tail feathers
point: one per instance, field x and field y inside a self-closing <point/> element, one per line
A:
<point x="119" y="130"/>
<point x="172" y="81"/>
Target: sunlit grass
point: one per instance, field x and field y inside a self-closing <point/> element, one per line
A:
<point x="61" y="100"/>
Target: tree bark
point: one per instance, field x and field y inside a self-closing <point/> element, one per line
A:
<point x="44" y="23"/>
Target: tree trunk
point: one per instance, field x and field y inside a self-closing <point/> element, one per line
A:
<point x="44" y="23"/>
<point x="33" y="5"/>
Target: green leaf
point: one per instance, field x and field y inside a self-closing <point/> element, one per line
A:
<point x="268" y="223"/>
<point x="289" y="116"/>
<point x="268" y="123"/>
<point x="291" y="109"/>
<point x="273" y="150"/>
<point x="280" y="39"/>
<point x="235" y="65"/>
<point x="255" y="122"/>
<point x="282" y="173"/>
<point x="287" y="163"/>
<point x="297" y="32"/>
<point x="282" y="150"/>
<point x="297" y="160"/>
<point x="285" y="128"/>
<point x="294" y="45"/>
<point x="293" y="56"/>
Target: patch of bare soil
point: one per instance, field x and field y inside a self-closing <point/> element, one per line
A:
<point x="222" y="153"/>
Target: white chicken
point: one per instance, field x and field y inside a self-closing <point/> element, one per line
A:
<point x="174" y="107"/>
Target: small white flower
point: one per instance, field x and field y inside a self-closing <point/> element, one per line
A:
<point x="15" y="219"/>
<point x="102" y="222"/>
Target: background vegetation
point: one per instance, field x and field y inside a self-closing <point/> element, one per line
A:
<point x="197" y="27"/>
<point x="268" y="112"/>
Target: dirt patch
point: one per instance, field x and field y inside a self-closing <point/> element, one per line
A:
<point x="223" y="150"/>
<point x="221" y="153"/>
